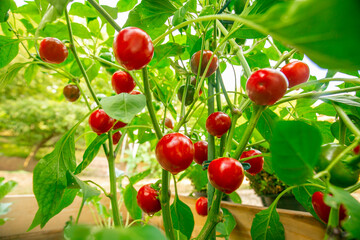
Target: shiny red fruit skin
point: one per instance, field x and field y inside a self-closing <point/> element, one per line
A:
<point x="175" y="152"/>
<point x="119" y="124"/>
<point x="147" y="199"/>
<point x="71" y="92"/>
<point x="135" y="92"/>
<point x="255" y="163"/>
<point x="100" y="122"/>
<point x="122" y="81"/>
<point x="116" y="137"/>
<point x="169" y="123"/>
<point x="201" y="152"/>
<point x="266" y="86"/>
<point x="356" y="150"/>
<point x="323" y="210"/>
<point x="133" y="48"/>
<point x="201" y="206"/>
<point x="296" y="72"/>
<point x="52" y="50"/>
<point x="218" y="123"/>
<point x="226" y="174"/>
<point x="195" y="59"/>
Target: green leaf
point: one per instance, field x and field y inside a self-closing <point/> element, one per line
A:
<point x="82" y="10"/>
<point x="150" y="16"/>
<point x="140" y="176"/>
<point x="92" y="68"/>
<point x="4" y="8"/>
<point x="10" y="74"/>
<point x="330" y="47"/>
<point x="4" y="208"/>
<point x="49" y="176"/>
<point x="130" y="201"/>
<point x="179" y="15"/>
<point x="91" y="152"/>
<point x="267" y="225"/>
<point x="87" y="191"/>
<point x="49" y="16"/>
<point x="9" y="48"/>
<point x="112" y="11"/>
<point x="164" y="51"/>
<point x="266" y="124"/>
<point x="126" y="5"/>
<point x="345" y="99"/>
<point x="257" y="60"/>
<point x="6" y="187"/>
<point x="59" y="5"/>
<point x="303" y="195"/>
<point x="295" y="150"/>
<point x="229" y="223"/>
<point x="197" y="176"/>
<point x="352" y="207"/>
<point x="30" y="72"/>
<point x="246" y="33"/>
<point x="235" y="197"/>
<point x="123" y="106"/>
<point x="182" y="217"/>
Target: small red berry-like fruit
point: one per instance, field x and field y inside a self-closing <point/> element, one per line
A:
<point x="116" y="137"/>
<point x="174" y="152"/>
<point x="122" y="82"/>
<point x="323" y="210"/>
<point x="148" y="199"/>
<point x="52" y="50"/>
<point x="135" y="92"/>
<point x="256" y="164"/>
<point x="133" y="48"/>
<point x="201" y="152"/>
<point x="119" y="124"/>
<point x="356" y="150"/>
<point x="218" y="123"/>
<point x="71" y="92"/>
<point x="296" y="72"/>
<point x="266" y="86"/>
<point x="225" y="174"/>
<point x="195" y="59"/>
<point x="201" y="206"/>
<point x="100" y="122"/>
<point x="169" y="123"/>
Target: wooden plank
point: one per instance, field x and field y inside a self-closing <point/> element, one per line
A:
<point x="298" y="225"/>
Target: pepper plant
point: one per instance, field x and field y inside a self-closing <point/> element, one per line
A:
<point x="174" y="54"/>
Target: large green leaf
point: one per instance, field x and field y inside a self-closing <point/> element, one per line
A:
<point x="9" y="48"/>
<point x="352" y="207"/>
<point x="267" y="225"/>
<point x="49" y="177"/>
<point x="131" y="205"/>
<point x="59" y="5"/>
<point x="126" y="5"/>
<point x="82" y="10"/>
<point x="266" y="124"/>
<point x="123" y="106"/>
<point x="87" y="191"/>
<point x="327" y="31"/>
<point x="150" y="16"/>
<point x="91" y="152"/>
<point x="10" y="74"/>
<point x="182" y="217"/>
<point x="344" y="99"/>
<point x="4" y="8"/>
<point x="179" y="15"/>
<point x="295" y="150"/>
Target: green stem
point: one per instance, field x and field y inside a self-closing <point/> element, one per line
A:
<point x="227" y="98"/>
<point x="164" y="194"/>
<point x="347" y="121"/>
<point x="285" y="56"/>
<point x="325" y="80"/>
<point x="238" y="49"/>
<point x="353" y="188"/>
<point x="79" y="212"/>
<point x="102" y="189"/>
<point x="214" y="217"/>
<point x="318" y="94"/>
<point x="105" y="15"/>
<point x="82" y="69"/>
<point x="249" y="129"/>
<point x="234" y="119"/>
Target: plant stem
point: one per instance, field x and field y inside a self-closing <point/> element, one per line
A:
<point x="325" y="80"/>
<point x="347" y="121"/>
<point x="213" y="218"/>
<point x="285" y="56"/>
<point x="234" y="119"/>
<point x="164" y="194"/>
<point x="227" y="98"/>
<point x="249" y="129"/>
<point x="238" y="49"/>
<point x="82" y="69"/>
<point x="105" y="15"/>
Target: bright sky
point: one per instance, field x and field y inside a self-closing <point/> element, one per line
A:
<point x="228" y="73"/>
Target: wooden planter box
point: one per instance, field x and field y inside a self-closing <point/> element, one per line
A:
<point x="298" y="225"/>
